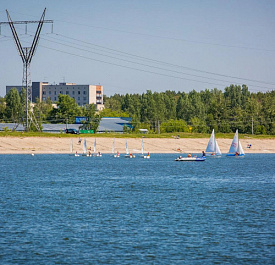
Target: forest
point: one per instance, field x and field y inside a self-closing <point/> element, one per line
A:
<point x="225" y="111"/>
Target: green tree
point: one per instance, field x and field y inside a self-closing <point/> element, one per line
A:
<point x="13" y="105"/>
<point x="173" y="126"/>
<point x="94" y="123"/>
<point x="42" y="110"/>
<point x="67" y="109"/>
<point x="2" y="108"/>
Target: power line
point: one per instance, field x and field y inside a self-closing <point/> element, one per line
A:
<point x="170" y="38"/>
<point x="133" y="68"/>
<point x="175" y="65"/>
<point x="110" y="50"/>
<point x="128" y="61"/>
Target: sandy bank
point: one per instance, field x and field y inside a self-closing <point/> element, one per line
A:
<point x="27" y="145"/>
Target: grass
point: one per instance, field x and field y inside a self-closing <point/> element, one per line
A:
<point x="137" y="135"/>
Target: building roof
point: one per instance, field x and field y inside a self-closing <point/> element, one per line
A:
<point x="114" y="124"/>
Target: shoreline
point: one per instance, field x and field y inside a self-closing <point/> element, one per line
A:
<point x="56" y="145"/>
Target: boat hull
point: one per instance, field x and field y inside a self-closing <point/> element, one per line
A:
<point x="191" y="159"/>
<point x="129" y="156"/>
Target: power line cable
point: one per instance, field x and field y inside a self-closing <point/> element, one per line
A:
<point x="174" y="65"/>
<point x="146" y="65"/>
<point x="133" y="68"/>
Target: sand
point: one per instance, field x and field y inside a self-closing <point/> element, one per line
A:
<point x="55" y="145"/>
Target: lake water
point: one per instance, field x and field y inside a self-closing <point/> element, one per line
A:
<point x="60" y="209"/>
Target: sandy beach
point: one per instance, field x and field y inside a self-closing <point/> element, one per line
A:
<point x="51" y="145"/>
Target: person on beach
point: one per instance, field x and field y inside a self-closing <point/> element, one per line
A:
<point x="189" y="155"/>
<point x="203" y="153"/>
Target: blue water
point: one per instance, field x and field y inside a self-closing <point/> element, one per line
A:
<point x="58" y="209"/>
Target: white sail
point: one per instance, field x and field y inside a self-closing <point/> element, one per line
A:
<point x="211" y="144"/>
<point x="142" y="149"/>
<point x="95" y="146"/>
<point x="234" y="144"/>
<point x="241" y="152"/>
<point x="85" y="147"/>
<point x="113" y="148"/>
<point x="218" y="151"/>
<point x="126" y="145"/>
<point x="71" y="147"/>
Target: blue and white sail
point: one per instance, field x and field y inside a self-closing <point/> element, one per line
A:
<point x="236" y="147"/>
<point x="211" y="144"/>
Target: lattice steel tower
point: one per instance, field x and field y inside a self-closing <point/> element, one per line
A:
<point x="26" y="54"/>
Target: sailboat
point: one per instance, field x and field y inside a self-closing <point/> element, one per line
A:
<point x="142" y="151"/>
<point x="213" y="148"/>
<point x="96" y="154"/>
<point x="113" y="150"/>
<point x="236" y="148"/>
<point x="128" y="155"/>
<point x="85" y="149"/>
<point x="71" y="149"/>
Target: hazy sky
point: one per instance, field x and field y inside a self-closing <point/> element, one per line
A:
<point x="130" y="46"/>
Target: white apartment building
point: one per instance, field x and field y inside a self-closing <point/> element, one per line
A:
<point x="83" y="94"/>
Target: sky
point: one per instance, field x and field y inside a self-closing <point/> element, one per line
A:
<point x="131" y="46"/>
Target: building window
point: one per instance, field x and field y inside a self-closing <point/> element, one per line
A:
<point x="60" y="92"/>
<point x="84" y="92"/>
<point x="78" y="98"/>
<point x="55" y="92"/>
<point x="50" y="92"/>
<point x="73" y="92"/>
<point x="78" y="92"/>
<point x="84" y="98"/>
<point x="54" y="98"/>
<point x="67" y="92"/>
<point x="43" y="92"/>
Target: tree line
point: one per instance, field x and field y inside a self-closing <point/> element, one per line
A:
<point x="159" y="112"/>
<point x="225" y="111"/>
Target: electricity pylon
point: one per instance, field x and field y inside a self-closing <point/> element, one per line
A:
<point x="26" y="53"/>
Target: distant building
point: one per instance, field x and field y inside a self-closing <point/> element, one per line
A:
<point x="83" y="94"/>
